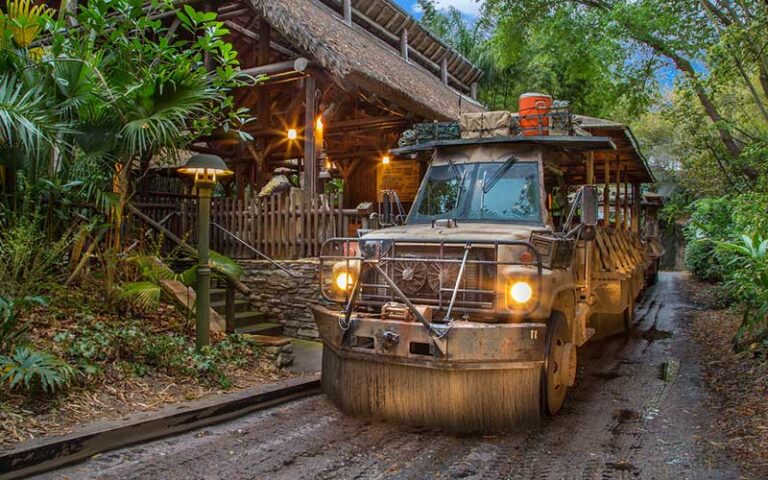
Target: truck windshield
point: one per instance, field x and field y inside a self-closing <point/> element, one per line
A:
<point x="513" y="197"/>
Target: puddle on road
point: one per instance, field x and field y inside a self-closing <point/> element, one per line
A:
<point x="625" y="415"/>
<point x="607" y="375"/>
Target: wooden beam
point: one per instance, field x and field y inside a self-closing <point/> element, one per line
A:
<point x="444" y="70"/>
<point x="310" y="155"/>
<point x="265" y="37"/>
<point x="347" y="10"/>
<point x="473" y="90"/>
<point x="404" y="44"/>
<point x="255" y="36"/>
<point x="296" y="65"/>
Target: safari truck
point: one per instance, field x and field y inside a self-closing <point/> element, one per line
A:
<point x="651" y="234"/>
<point x="469" y="315"/>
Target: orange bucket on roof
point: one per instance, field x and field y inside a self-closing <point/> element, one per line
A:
<point x="534" y="113"/>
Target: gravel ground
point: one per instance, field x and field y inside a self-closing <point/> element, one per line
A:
<point x="628" y="417"/>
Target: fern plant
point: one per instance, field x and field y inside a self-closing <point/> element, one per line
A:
<point x="748" y="279"/>
<point x="33" y="370"/>
<point x="11" y="333"/>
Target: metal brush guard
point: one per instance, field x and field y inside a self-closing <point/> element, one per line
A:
<point x="378" y="255"/>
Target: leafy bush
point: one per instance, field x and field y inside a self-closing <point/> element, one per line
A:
<point x="748" y="280"/>
<point x="723" y="219"/>
<point x="166" y="352"/>
<point x="147" y="292"/>
<point x="29" y="262"/>
<point x="33" y="370"/>
<point x="11" y="333"/>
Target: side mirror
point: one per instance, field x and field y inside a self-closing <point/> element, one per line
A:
<point x="589" y="203"/>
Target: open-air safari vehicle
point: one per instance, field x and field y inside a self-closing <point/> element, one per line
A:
<point x="469" y="315"/>
<point x="651" y="234"/>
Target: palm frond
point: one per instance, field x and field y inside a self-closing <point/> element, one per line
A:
<point x="25" y="120"/>
<point x="225" y="265"/>
<point x="145" y="295"/>
<point x="161" y="111"/>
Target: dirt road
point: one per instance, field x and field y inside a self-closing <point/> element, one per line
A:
<point x="637" y="412"/>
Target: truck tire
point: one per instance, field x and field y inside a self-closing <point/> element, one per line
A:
<point x="559" y="370"/>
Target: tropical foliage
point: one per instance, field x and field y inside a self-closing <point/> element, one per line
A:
<point x="88" y="103"/>
<point x="690" y="78"/>
<point x="34" y="370"/>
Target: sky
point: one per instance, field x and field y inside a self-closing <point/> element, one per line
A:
<point x="468" y="7"/>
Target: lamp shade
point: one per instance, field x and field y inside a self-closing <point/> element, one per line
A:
<point x="207" y="165"/>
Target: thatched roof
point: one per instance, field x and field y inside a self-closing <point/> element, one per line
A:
<point x="355" y="58"/>
<point x="388" y="20"/>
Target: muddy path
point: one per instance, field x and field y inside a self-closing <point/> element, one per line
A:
<point x="637" y="412"/>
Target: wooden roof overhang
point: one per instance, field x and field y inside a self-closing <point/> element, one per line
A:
<point x="343" y="71"/>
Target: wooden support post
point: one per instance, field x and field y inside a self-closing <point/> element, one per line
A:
<point x="208" y="60"/>
<point x="606" y="193"/>
<point x="590" y="245"/>
<point x="473" y="90"/>
<point x="617" y="206"/>
<point x="265" y="37"/>
<point x="636" y="207"/>
<point x="444" y="70"/>
<point x="310" y="155"/>
<point x="626" y="201"/>
<point x="347" y="8"/>
<point x="404" y="44"/>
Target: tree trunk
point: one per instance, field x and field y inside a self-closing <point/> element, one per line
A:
<point x="682" y="64"/>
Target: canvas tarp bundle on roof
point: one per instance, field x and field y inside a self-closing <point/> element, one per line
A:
<point x="488" y="124"/>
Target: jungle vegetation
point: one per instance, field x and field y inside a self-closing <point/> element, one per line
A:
<point x="88" y="101"/>
<point x="689" y="77"/>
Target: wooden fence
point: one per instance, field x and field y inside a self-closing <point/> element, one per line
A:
<point x="284" y="226"/>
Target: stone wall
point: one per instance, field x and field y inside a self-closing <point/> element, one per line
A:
<point x="284" y="298"/>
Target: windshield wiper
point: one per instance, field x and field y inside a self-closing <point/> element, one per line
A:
<point x="461" y="189"/>
<point x="499" y="174"/>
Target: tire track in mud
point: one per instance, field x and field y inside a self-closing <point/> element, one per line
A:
<point x="611" y="428"/>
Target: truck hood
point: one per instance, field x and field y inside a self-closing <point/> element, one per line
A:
<point x="476" y="232"/>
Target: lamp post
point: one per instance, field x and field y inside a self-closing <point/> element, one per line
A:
<point x="205" y="169"/>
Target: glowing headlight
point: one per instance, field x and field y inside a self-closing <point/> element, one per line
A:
<point x="344" y="280"/>
<point x="521" y="292"/>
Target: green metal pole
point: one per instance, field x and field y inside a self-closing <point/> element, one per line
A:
<point x="202" y="332"/>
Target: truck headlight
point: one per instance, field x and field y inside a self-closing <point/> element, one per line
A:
<point x="344" y="280"/>
<point x="521" y="292"/>
<point x="344" y="276"/>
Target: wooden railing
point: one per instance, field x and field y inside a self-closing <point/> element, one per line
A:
<point x="283" y="226"/>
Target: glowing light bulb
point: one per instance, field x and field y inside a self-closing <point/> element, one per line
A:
<point x="292" y="134"/>
<point x="385" y="160"/>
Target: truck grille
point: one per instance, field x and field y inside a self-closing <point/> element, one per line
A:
<point x="427" y="275"/>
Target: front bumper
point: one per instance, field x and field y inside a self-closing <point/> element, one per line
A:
<point x="467" y="346"/>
